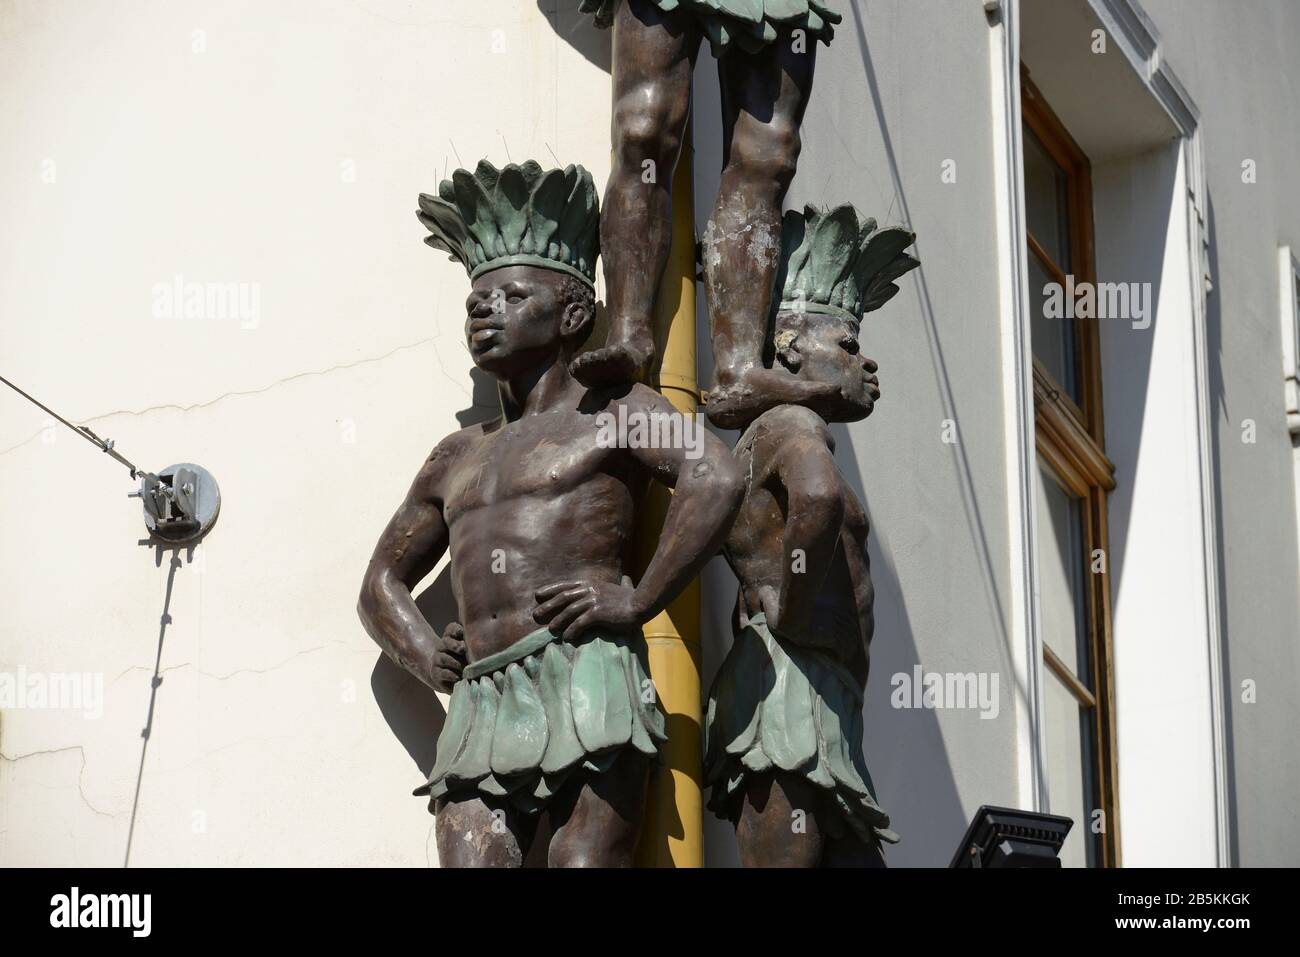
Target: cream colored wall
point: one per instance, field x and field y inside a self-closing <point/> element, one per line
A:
<point x="279" y="146"/>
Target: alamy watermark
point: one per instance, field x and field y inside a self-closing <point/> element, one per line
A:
<point x="182" y="299"/>
<point x="75" y="909"/>
<point x="54" y="691"/>
<point x="946" y="689"/>
<point x="635" y="429"/>
<point x="1102" y="300"/>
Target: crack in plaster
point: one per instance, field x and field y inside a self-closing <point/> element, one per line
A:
<point x="238" y="671"/>
<point x="81" y="790"/>
<point x="247" y="392"/>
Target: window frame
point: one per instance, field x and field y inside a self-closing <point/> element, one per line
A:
<point x="1289" y="302"/>
<point x="1070" y="438"/>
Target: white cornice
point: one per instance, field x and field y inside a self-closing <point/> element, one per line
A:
<point x="1130" y="27"/>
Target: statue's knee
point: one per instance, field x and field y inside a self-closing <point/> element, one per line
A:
<point x="767" y="153"/>
<point x="647" y="126"/>
<point x="570" y="858"/>
<point x="597" y="845"/>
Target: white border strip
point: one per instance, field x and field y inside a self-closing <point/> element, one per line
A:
<point x="1017" y="397"/>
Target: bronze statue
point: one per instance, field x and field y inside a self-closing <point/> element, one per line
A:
<point x="766" y="50"/>
<point x="551" y="710"/>
<point x="784" y="724"/>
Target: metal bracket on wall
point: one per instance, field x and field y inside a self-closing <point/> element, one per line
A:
<point x="180" y="503"/>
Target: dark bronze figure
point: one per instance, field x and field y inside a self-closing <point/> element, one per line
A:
<point x="784" y="723"/>
<point x="551" y="709"/>
<point x="766" y="53"/>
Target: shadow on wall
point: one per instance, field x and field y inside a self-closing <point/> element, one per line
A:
<point x="579" y="30"/>
<point x="905" y="749"/>
<point x="173" y="565"/>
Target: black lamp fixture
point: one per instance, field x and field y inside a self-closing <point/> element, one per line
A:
<point x="1006" y="837"/>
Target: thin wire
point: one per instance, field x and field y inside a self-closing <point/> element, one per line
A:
<point x="104" y="445"/>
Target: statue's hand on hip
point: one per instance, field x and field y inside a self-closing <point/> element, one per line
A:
<point x="569" y="608"/>
<point x="448" y="657"/>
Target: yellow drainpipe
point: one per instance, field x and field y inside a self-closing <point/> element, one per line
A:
<point x="672" y="835"/>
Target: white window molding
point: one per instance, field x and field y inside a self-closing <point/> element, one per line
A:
<point x="1288" y="269"/>
<point x="1021" y="463"/>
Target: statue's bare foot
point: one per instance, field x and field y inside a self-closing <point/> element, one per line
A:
<point x="736" y="404"/>
<point x="614" y="363"/>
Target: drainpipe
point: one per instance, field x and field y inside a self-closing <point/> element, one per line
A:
<point x="672" y="833"/>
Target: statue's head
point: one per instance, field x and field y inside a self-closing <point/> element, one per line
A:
<point x="833" y="270"/>
<point x="529" y="240"/>
<point x="519" y="316"/>
<point x="824" y="348"/>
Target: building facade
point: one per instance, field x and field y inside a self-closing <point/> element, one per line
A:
<point x="1083" y="478"/>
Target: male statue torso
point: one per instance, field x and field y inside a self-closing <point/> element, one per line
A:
<point x="840" y="621"/>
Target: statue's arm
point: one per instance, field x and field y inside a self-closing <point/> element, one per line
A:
<point x="709" y="488"/>
<point x="802" y="461"/>
<point x="407" y="550"/>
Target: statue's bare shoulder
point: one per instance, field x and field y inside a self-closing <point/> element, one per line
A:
<point x="430" y="483"/>
<point x="642" y="398"/>
<point x="788" y="435"/>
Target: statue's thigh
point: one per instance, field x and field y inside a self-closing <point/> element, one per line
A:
<point x="779" y="823"/>
<point x="475" y="832"/>
<point x="597" y="817"/>
<point x="653" y="45"/>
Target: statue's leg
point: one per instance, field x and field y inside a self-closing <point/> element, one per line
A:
<point x="597" y="817"/>
<point x="654" y="56"/>
<point x="471" y="832"/>
<point x="778" y="824"/>
<point x="763" y="100"/>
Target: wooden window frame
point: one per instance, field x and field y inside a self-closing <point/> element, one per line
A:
<point x="1070" y="438"/>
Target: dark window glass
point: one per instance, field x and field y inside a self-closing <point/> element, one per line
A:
<point x="1052" y="339"/>
<point x="1047" y="201"/>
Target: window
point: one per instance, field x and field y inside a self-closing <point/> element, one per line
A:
<point x="1071" y="483"/>
<point x="1289" y="299"/>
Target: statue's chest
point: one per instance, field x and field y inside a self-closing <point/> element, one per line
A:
<point x="545" y="458"/>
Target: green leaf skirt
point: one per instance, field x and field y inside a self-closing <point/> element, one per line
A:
<point x="777" y="707"/>
<point x="521" y="721"/>
<point x="747" y="24"/>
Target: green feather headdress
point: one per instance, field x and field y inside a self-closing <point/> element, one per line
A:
<point x="518" y="215"/>
<point x="833" y="264"/>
